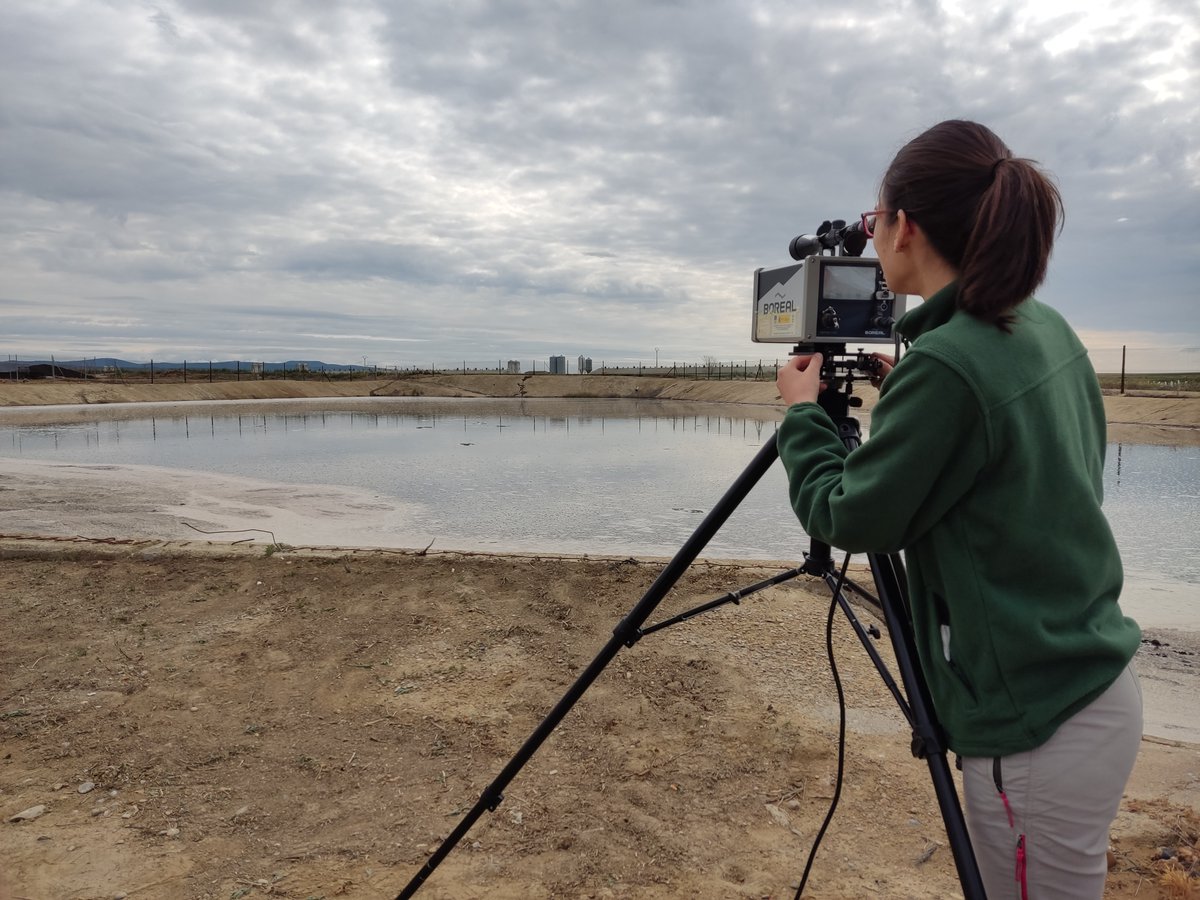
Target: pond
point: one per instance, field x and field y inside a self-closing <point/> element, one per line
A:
<point x="599" y="477"/>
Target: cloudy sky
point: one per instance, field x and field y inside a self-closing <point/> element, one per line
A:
<point x="414" y="182"/>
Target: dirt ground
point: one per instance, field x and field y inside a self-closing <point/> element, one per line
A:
<point x="196" y="720"/>
<point x="206" y="721"/>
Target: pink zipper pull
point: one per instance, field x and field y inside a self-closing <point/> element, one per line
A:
<point x="1021" y="868"/>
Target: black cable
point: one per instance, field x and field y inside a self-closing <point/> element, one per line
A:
<point x="841" y="758"/>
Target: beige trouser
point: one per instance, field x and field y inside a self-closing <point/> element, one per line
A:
<point x="1049" y="840"/>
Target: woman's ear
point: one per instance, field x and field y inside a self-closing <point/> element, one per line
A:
<point x="903" y="233"/>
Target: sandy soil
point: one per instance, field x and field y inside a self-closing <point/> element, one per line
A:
<point x="311" y="723"/>
<point x="45" y="393"/>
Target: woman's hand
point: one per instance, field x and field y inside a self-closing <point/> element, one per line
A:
<point x="886" y="364"/>
<point x="799" y="379"/>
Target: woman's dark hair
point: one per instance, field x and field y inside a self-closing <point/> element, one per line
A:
<point x="990" y="215"/>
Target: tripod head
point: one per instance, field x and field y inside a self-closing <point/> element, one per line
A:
<point x="839" y="371"/>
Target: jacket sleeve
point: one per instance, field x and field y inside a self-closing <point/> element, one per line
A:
<point x="928" y="443"/>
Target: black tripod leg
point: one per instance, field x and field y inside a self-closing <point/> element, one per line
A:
<point x="627" y="633"/>
<point x="927" y="741"/>
<point x="832" y="582"/>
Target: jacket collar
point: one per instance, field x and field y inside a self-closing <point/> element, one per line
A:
<point x="934" y="312"/>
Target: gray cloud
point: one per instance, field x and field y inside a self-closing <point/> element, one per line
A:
<point x="222" y="178"/>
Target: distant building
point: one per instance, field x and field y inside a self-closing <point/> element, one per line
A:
<point x="558" y="365"/>
<point x="514" y="367"/>
<point x="585" y="365"/>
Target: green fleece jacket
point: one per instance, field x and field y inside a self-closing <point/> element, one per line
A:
<point x="984" y="465"/>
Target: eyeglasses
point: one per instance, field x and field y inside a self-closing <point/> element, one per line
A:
<point x="868" y="221"/>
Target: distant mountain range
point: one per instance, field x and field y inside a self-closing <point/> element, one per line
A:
<point x="102" y="362"/>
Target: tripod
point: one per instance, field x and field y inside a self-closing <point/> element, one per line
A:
<point x="892" y="600"/>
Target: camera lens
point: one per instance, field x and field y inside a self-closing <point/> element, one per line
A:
<point x="803" y="246"/>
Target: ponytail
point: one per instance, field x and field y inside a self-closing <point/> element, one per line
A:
<point x="990" y="215"/>
<point x="1009" y="245"/>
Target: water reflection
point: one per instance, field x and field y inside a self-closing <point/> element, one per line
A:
<point x="592" y="477"/>
<point x="1152" y="498"/>
<point x="573" y="476"/>
<point x="103" y="434"/>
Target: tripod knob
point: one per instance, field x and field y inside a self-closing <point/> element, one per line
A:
<point x="855" y="401"/>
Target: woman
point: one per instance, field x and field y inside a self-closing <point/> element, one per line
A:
<point x="984" y="464"/>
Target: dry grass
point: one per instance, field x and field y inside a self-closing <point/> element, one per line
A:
<point x="1180" y="874"/>
<point x="1172" y="382"/>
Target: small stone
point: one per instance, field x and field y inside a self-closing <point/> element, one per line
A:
<point x="27" y="815"/>
<point x="241" y="812"/>
<point x="86" y="787"/>
<point x="171" y="832"/>
<point x="778" y="815"/>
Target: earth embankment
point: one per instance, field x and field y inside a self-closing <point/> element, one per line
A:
<point x="50" y="393"/>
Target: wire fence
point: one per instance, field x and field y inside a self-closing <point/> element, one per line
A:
<point x="183" y="373"/>
<point x="709" y="370"/>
